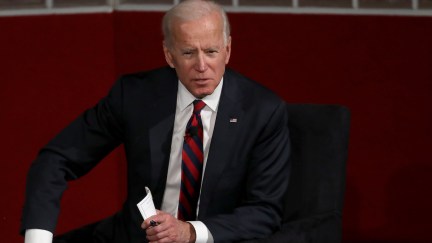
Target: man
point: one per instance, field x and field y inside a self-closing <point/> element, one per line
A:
<point x="238" y="137"/>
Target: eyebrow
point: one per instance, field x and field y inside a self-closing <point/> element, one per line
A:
<point x="195" y="49"/>
<point x="188" y="49"/>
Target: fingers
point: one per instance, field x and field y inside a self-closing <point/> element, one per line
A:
<point x="168" y="228"/>
<point x="156" y="226"/>
<point x="157" y="234"/>
<point x="154" y="220"/>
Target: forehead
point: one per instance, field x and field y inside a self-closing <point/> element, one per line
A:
<point x="205" y="29"/>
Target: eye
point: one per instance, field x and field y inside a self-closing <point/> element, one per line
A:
<point x="187" y="53"/>
<point x="212" y="52"/>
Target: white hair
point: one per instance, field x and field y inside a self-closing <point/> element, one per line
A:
<point x="191" y="10"/>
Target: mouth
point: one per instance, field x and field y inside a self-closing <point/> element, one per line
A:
<point x="201" y="80"/>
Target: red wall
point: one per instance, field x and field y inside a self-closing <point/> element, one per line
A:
<point x="53" y="67"/>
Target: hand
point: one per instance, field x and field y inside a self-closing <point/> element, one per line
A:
<point x="169" y="229"/>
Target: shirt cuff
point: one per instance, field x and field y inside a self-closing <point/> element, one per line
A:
<point x="203" y="235"/>
<point x="38" y="236"/>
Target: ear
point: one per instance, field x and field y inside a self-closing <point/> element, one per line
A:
<point x="228" y="50"/>
<point x="168" y="56"/>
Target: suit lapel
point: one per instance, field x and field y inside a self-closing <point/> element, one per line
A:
<point x="226" y="127"/>
<point x="160" y="134"/>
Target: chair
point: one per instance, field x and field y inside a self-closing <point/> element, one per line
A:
<point x="314" y="200"/>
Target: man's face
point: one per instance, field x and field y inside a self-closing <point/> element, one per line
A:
<point x="198" y="53"/>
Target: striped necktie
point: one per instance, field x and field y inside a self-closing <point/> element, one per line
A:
<point x="192" y="164"/>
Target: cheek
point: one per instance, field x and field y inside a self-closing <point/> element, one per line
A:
<point x="184" y="72"/>
<point x="185" y="65"/>
<point x="179" y="66"/>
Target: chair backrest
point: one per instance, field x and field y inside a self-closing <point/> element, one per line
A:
<point x="314" y="199"/>
<point x="319" y="146"/>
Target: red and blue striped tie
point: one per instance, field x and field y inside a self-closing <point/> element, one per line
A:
<point x="192" y="165"/>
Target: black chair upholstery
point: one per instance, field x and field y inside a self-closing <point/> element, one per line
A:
<point x="314" y="200"/>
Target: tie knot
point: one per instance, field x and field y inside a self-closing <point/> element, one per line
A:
<point x="198" y="106"/>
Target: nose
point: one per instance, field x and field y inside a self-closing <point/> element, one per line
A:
<point x="201" y="63"/>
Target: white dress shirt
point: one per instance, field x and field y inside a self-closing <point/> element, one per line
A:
<point x="170" y="201"/>
<point x="184" y="111"/>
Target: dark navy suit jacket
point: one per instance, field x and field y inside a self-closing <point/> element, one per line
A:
<point x="246" y="173"/>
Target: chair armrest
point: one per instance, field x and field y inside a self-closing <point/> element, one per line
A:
<point x="322" y="228"/>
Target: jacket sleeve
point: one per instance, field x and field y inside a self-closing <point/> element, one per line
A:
<point x="70" y="155"/>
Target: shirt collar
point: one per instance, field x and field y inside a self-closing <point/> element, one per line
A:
<point x="185" y="98"/>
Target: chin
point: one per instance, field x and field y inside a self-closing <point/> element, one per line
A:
<point x="202" y="94"/>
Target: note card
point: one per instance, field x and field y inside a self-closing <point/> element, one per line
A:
<point x="146" y="206"/>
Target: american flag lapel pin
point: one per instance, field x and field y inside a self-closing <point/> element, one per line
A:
<point x="233" y="120"/>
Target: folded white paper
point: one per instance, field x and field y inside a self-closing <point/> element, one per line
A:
<point x="146" y="206"/>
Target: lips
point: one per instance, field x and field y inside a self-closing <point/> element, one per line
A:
<point x="201" y="80"/>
